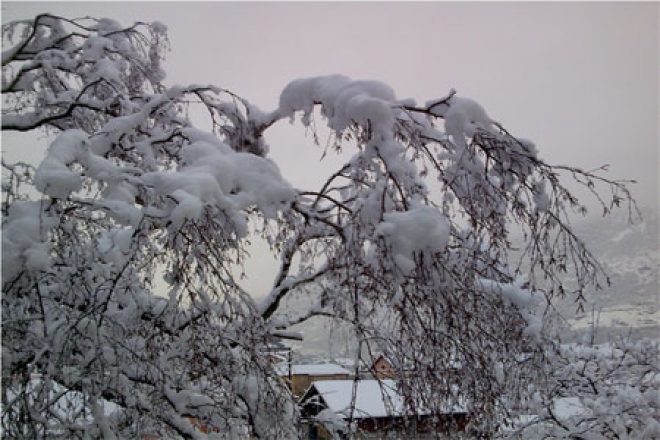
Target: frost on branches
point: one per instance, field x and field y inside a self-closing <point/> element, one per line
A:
<point x="597" y="392"/>
<point x="407" y="242"/>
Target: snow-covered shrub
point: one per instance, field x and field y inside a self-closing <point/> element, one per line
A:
<point x="597" y="392"/>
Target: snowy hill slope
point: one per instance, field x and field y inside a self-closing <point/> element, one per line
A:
<point x="629" y="253"/>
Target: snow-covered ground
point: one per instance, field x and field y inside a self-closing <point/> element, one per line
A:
<point x="631" y="316"/>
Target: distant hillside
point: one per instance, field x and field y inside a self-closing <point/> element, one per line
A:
<point x="629" y="252"/>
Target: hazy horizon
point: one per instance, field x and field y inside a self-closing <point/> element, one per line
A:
<point x="578" y="79"/>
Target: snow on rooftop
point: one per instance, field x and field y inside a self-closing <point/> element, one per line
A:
<point x="312" y="369"/>
<point x="373" y="398"/>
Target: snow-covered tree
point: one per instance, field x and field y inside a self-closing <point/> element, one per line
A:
<point x="408" y="242"/>
<point x="598" y="392"/>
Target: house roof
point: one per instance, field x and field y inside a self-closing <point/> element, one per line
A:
<point x="373" y="398"/>
<point x="311" y="369"/>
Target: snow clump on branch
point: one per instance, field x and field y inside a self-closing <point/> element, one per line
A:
<point x="421" y="228"/>
<point x="214" y="174"/>
<point x="343" y="101"/>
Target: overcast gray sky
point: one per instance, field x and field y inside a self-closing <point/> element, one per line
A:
<point x="579" y="79"/>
